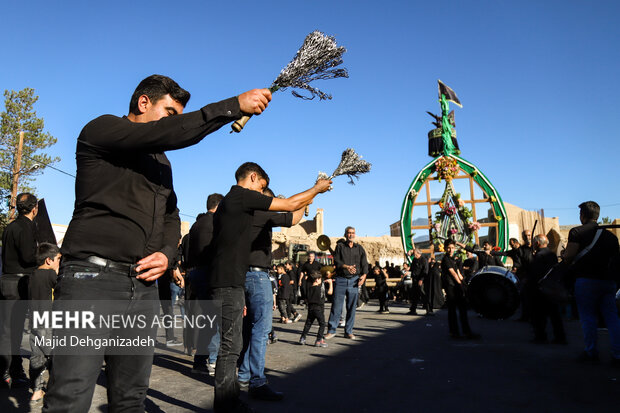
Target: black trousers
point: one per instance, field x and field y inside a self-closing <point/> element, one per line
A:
<point x="382" y="295"/>
<point x="226" y="385"/>
<point x="456" y="301"/>
<point x="73" y="377"/>
<point x="13" y="310"/>
<point x="543" y="309"/>
<point x="315" y="312"/>
<point x="165" y="299"/>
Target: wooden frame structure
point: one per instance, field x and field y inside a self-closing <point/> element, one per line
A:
<point x="468" y="171"/>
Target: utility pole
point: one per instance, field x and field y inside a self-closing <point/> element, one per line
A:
<point x="16" y="169"/>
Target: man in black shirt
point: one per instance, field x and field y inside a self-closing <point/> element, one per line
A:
<point x="125" y="227"/>
<point x="452" y="281"/>
<point x="19" y="248"/>
<point x="595" y="286"/>
<point x="419" y="271"/>
<point x="228" y="261"/>
<point x="542" y="307"/>
<point x="306" y="269"/>
<point x="200" y="236"/>
<point x="351" y="271"/>
<point x="259" y="301"/>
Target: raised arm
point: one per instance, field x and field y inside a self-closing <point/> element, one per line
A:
<point x="300" y="200"/>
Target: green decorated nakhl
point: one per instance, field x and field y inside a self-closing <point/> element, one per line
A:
<point x="455" y="219"/>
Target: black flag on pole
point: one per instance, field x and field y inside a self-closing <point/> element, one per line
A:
<point x="448" y="93"/>
<point x="45" y="232"/>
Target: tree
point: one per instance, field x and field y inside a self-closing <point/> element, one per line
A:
<point x="20" y="163"/>
<point x="606" y="220"/>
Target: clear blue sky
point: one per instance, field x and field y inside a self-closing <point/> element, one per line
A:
<point x="538" y="82"/>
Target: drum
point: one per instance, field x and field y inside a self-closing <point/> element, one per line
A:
<point x="493" y="292"/>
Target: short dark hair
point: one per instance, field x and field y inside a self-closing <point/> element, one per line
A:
<point x="46" y="250"/>
<point x="315" y="275"/>
<point x="514" y="240"/>
<point x="590" y="210"/>
<point x="280" y="266"/>
<point x="214" y="200"/>
<point x="269" y="192"/>
<point x="448" y="242"/>
<point x="249" y="167"/>
<point x="25" y="203"/>
<point x="289" y="262"/>
<point x="347" y="229"/>
<point x="156" y="87"/>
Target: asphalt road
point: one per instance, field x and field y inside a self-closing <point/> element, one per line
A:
<point x="400" y="363"/>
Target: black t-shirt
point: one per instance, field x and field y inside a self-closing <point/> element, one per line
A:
<point x="40" y="286"/>
<point x="200" y="237"/>
<point x="308" y="268"/>
<point x="595" y="263"/>
<point x="229" y="253"/>
<point x="284" y="286"/>
<point x="263" y="222"/>
<point x="316" y="294"/>
<point x="446" y="263"/>
<point x="380" y="280"/>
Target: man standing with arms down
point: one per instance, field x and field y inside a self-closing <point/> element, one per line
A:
<point x="125" y="227"/>
<point x="19" y="250"/>
<point x="351" y="271"/>
<point x="228" y="262"/>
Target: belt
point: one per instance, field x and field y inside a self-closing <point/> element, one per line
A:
<point x="105" y="263"/>
<point x="18" y="275"/>
<point x="258" y="269"/>
<point x="348" y="277"/>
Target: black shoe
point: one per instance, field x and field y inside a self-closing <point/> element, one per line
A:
<point x="412" y="312"/>
<point x="200" y="369"/>
<point x="265" y="392"/>
<point x="243" y="385"/>
<point x="19" y="379"/>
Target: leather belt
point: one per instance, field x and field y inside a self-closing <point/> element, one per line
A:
<point x="258" y="269"/>
<point x="105" y="263"/>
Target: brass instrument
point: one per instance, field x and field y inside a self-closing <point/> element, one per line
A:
<point x="323" y="243"/>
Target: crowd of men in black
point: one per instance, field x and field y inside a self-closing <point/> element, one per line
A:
<point x="125" y="234"/>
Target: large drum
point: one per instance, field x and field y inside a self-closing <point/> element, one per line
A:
<point x="493" y="292"/>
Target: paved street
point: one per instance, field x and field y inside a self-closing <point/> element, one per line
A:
<point x="399" y="363"/>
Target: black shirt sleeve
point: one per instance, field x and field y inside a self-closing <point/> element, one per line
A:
<point x="172" y="234"/>
<point x="168" y="133"/>
<point x="255" y="201"/>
